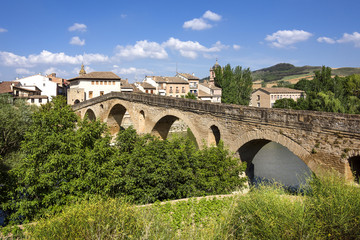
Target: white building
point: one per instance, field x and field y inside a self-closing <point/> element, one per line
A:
<point x="47" y="87"/>
<point x="90" y="85"/>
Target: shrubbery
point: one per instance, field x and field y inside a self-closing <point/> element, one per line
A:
<point x="67" y="159"/>
<point x="326" y="210"/>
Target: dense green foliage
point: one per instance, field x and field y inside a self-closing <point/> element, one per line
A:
<point x="236" y="84"/>
<point x="190" y="95"/>
<point x="67" y="159"/>
<point x="327" y="93"/>
<point x="15" y="119"/>
<point x="328" y="211"/>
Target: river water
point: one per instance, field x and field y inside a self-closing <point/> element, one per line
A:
<point x="275" y="162"/>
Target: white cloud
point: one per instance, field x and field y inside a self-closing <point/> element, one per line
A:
<point x="46" y="57"/>
<point x="201" y="23"/>
<point x="191" y="49"/>
<point x="58" y="71"/>
<point x="23" y="71"/>
<point x="142" y="49"/>
<point x="78" y="27"/>
<point x="2" y="30"/>
<point x="326" y="40"/>
<point x="354" y="38"/>
<point x="236" y="47"/>
<point x="131" y="70"/>
<point x="77" y="41"/>
<point x="10" y="59"/>
<point x="286" y="38"/>
<point x="212" y="16"/>
<point x="123" y="16"/>
<point x="197" y="24"/>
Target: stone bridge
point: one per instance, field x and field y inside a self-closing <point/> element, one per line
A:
<point x="321" y="140"/>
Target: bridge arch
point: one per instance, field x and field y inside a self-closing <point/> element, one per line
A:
<point x="161" y="125"/>
<point x="90" y="114"/>
<point x="115" y="116"/>
<point x="273" y="156"/>
<point x="214" y="135"/>
<point x="352" y="166"/>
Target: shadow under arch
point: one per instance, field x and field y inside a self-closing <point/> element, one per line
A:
<point x="90" y="114"/>
<point x="164" y="123"/>
<point x="214" y="135"/>
<point x="115" y="118"/>
<point x="354" y="163"/>
<point x="271" y="160"/>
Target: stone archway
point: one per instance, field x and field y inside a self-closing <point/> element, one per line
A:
<point x="274" y="157"/>
<point x="163" y="124"/>
<point x="214" y="135"/>
<point x="90" y="114"/>
<point x="354" y="164"/>
<point x="115" y="118"/>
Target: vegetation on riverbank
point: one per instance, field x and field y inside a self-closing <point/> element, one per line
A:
<point x="65" y="160"/>
<point x="326" y="209"/>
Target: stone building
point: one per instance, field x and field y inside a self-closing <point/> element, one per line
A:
<point x="266" y="97"/>
<point x="90" y="85"/>
<point x="168" y="86"/>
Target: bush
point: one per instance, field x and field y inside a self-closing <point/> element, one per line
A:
<point x="330" y="210"/>
<point x="95" y="219"/>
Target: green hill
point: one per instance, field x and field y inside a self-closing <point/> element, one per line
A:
<point x="282" y="70"/>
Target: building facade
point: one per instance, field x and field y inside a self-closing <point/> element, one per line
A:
<point x="266" y="97"/>
<point x="90" y="85"/>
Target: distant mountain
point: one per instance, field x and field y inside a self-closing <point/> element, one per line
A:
<point x="285" y="71"/>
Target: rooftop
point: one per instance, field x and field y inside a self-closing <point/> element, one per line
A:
<point x="98" y="75"/>
<point x="279" y="90"/>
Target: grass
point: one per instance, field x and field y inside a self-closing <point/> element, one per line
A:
<point x="329" y="209"/>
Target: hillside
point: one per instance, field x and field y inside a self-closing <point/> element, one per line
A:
<point x="286" y="71"/>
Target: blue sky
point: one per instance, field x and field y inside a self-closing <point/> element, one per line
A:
<point x="138" y="38"/>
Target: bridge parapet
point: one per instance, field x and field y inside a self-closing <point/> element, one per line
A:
<point x="307" y="120"/>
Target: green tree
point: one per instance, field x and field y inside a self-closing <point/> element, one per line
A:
<point x="64" y="161"/>
<point x="236" y="84"/>
<point x="15" y="119"/>
<point x="285" y="103"/>
<point x="190" y="95"/>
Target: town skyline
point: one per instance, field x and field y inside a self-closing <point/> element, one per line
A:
<point x="160" y="37"/>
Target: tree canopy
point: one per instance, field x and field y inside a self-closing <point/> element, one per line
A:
<point x="236" y="84"/>
<point x="327" y="93"/>
<point x="67" y="159"/>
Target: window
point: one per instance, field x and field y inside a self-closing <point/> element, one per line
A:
<point x="90" y="94"/>
<point x="101" y="93"/>
<point x="32" y="100"/>
<point x="97" y="82"/>
<point x="101" y="82"/>
<point x="258" y="104"/>
<point x="40" y="100"/>
<point x="258" y="97"/>
<point x="147" y="91"/>
<point x="113" y="82"/>
<point x="92" y="82"/>
<point x="43" y="84"/>
<point x="105" y="83"/>
<point x="177" y="89"/>
<point x="171" y="91"/>
<point x="183" y="90"/>
<point x="152" y="91"/>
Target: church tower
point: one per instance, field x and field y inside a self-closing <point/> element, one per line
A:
<point x="212" y="73"/>
<point x="82" y="70"/>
